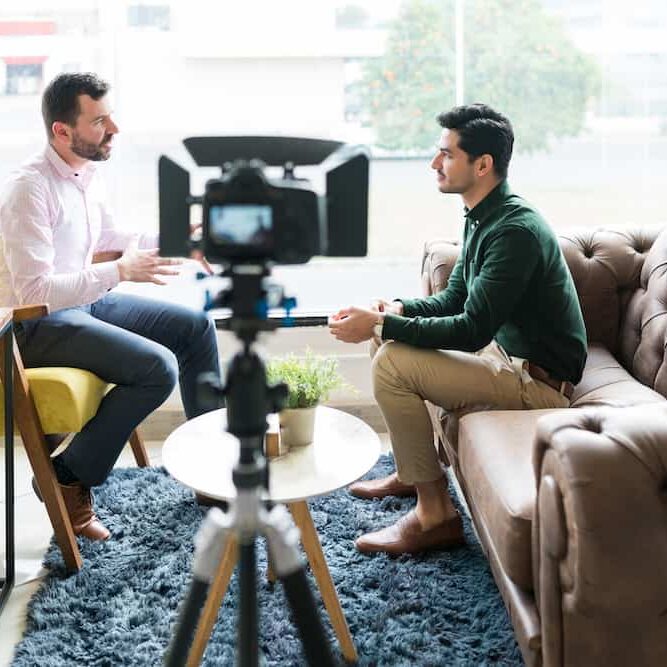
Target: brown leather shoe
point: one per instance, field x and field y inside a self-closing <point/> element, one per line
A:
<point x="407" y="537"/>
<point x="79" y="505"/>
<point x="379" y="488"/>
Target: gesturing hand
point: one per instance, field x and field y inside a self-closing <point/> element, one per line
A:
<point x="144" y="266"/>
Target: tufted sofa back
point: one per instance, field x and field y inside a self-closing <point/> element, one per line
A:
<point x="621" y="279"/>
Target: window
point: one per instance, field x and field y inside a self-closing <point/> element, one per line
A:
<point x="148" y="16"/>
<point x="23" y="79"/>
<point x="583" y="82"/>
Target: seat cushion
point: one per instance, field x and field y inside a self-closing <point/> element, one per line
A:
<point x="495" y="459"/>
<point x="65" y="398"/>
<point x="606" y="382"/>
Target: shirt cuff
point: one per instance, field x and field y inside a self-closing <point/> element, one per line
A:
<point x="108" y="274"/>
<point x="392" y="324"/>
<point x="408" y="306"/>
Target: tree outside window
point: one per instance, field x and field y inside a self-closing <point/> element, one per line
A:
<point x="517" y="58"/>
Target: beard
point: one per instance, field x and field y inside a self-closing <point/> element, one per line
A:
<point x="89" y="150"/>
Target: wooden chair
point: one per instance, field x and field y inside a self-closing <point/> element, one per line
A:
<point x="55" y="400"/>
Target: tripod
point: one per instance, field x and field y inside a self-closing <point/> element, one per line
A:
<point x="249" y="400"/>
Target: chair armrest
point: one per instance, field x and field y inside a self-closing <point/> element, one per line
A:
<point x="600" y="536"/>
<point x="107" y="256"/>
<point x="30" y="312"/>
<point x="41" y="310"/>
<point x="438" y="261"/>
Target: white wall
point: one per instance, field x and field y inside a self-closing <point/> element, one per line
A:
<point x="163" y="93"/>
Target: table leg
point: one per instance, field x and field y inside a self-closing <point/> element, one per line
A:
<point x="313" y="549"/>
<point x="7" y="354"/>
<point x="270" y="572"/>
<point x="214" y="599"/>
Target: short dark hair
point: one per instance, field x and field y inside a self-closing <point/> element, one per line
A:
<point x="60" y="101"/>
<point x="482" y="130"/>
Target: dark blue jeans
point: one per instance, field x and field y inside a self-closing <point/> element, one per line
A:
<point x="142" y="346"/>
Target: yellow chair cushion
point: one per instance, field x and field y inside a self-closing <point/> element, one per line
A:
<point x="66" y="398"/>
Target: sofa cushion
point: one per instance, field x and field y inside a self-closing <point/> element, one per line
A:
<point x="495" y="458"/>
<point x="606" y="382"/>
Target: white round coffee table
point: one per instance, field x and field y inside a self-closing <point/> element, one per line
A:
<point x="201" y="455"/>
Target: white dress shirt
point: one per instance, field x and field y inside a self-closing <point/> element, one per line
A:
<point x="53" y="218"/>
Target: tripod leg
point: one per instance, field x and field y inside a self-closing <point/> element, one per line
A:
<point x="313" y="549"/>
<point x="247" y="651"/>
<point x="216" y="594"/>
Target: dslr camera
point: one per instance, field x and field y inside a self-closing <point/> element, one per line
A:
<point x="249" y="218"/>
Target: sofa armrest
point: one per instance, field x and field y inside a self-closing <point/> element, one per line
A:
<point x="600" y="536"/>
<point x="438" y="261"/>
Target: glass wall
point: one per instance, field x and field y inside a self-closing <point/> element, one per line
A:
<point x="584" y="82"/>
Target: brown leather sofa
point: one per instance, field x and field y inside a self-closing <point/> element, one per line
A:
<point x="571" y="505"/>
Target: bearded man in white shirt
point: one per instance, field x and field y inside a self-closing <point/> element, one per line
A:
<point x="53" y="220"/>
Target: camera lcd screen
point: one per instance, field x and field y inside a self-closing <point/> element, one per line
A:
<point x="241" y="224"/>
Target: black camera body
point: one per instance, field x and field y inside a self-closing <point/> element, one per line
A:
<point x="249" y="218"/>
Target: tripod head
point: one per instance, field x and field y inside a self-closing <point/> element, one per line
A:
<point x="248" y="397"/>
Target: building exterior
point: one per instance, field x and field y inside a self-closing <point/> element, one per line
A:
<point x="628" y="41"/>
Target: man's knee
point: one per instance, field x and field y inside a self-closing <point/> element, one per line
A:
<point x="200" y="326"/>
<point x="203" y="324"/>
<point x="387" y="363"/>
<point x="201" y="332"/>
<point x="162" y="369"/>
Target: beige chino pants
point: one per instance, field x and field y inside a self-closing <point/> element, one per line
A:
<point x="405" y="376"/>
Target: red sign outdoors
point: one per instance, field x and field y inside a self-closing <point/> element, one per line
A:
<point x="20" y="28"/>
<point x="24" y="60"/>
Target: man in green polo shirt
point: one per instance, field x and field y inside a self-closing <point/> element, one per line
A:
<point x="506" y="333"/>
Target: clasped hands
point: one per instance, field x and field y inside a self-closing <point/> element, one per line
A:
<point x="355" y="325"/>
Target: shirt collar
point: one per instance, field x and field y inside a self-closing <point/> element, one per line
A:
<point x="81" y="177"/>
<point x="490" y="203"/>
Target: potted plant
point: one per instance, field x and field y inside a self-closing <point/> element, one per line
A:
<point x="310" y="380"/>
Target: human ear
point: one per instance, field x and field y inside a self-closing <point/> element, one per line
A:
<point x="60" y="130"/>
<point x="485" y="165"/>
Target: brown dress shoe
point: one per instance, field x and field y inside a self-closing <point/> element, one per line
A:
<point x="79" y="505"/>
<point x="379" y="488"/>
<point x="407" y="537"/>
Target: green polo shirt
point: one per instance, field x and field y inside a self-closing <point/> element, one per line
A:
<point x="510" y="283"/>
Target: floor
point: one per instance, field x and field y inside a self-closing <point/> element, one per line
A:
<point x="33" y="535"/>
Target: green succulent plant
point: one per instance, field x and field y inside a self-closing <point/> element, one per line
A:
<point x="310" y="379"/>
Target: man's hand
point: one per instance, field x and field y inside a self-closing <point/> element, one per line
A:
<point x="144" y="266"/>
<point x="195" y="231"/>
<point x="353" y="325"/>
<point x="199" y="256"/>
<point x="392" y="307"/>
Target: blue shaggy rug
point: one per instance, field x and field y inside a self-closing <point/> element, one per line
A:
<point x="436" y="609"/>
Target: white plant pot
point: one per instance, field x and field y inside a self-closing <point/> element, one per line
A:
<point x="297" y="426"/>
